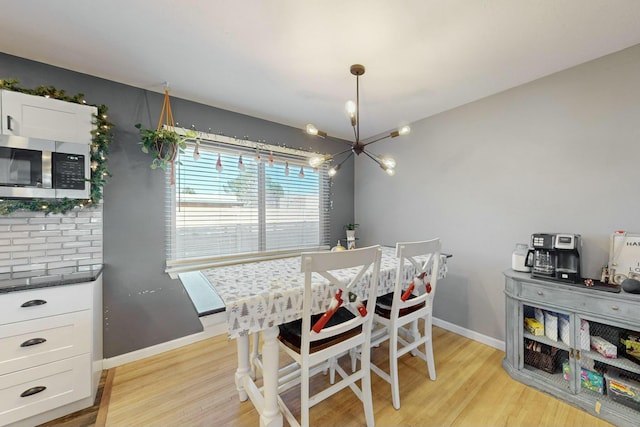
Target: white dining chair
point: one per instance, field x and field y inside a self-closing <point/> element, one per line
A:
<point x="397" y="313"/>
<point x="315" y="346"/>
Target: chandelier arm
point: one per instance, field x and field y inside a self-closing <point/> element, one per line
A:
<point x="376" y="140"/>
<point x="342" y="152"/>
<point x="338" y="140"/>
<point x="375" y="159"/>
<point x="344" y="160"/>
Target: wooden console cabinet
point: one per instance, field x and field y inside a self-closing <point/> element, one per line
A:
<point x="560" y="361"/>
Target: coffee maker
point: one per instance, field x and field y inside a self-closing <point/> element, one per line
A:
<point x="555" y="256"/>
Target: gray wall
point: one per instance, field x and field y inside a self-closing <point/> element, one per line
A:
<point x="559" y="154"/>
<point x="142" y="305"/>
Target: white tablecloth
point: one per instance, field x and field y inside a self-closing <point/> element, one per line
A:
<point x="263" y="294"/>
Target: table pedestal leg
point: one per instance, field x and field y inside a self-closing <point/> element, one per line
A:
<point x="271" y="415"/>
<point x="244" y="368"/>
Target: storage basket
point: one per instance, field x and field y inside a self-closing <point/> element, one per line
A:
<point x="541" y="356"/>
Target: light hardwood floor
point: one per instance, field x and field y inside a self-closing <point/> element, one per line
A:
<point x="194" y="386"/>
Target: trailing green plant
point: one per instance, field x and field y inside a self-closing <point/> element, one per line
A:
<point x="163" y="145"/>
<point x="101" y="137"/>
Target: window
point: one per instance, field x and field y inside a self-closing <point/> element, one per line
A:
<point x="230" y="204"/>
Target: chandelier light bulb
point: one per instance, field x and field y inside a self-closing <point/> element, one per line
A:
<point x="389" y="162"/>
<point x="390" y="171"/>
<point x="219" y="164"/>
<point x="311" y="129"/>
<point x="332" y="172"/>
<point x="404" y="130"/>
<point x="350" y="108"/>
<point x="316" y="161"/>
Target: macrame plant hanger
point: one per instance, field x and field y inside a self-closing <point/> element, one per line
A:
<point x="166" y="119"/>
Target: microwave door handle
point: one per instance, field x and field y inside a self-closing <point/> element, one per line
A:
<point x="47" y="175"/>
<point x="9" y="127"/>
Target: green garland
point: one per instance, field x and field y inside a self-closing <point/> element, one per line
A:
<point x="101" y="137"/>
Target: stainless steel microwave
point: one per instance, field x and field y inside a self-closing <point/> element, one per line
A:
<point x="43" y="169"/>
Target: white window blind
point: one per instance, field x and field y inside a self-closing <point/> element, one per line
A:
<point x="249" y="212"/>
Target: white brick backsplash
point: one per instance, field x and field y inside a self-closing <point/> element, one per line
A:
<point x="12" y="248"/>
<point x="32" y="241"/>
<point x="12" y="221"/>
<point x="75" y="245"/>
<point x="28" y="267"/>
<point x="61" y="239"/>
<point x="47" y="246"/>
<point x="46" y="259"/>
<point x="78" y="232"/>
<point x="44" y="220"/>
<point x="61" y="226"/>
<point x="28" y="227"/>
<point x="62" y="251"/>
<point x="42" y="248"/>
<point x="28" y="254"/>
<point x="15" y="234"/>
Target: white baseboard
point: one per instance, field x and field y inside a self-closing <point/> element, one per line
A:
<point x="210" y="330"/>
<point x="213" y="326"/>
<point x="467" y="333"/>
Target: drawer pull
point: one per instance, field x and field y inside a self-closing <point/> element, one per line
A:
<point x="33" y="341"/>
<point x="33" y="303"/>
<point x="32" y="391"/>
<point x="615" y="308"/>
<point x="540" y="293"/>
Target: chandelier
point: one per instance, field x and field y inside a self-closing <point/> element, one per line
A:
<point x="357" y="147"/>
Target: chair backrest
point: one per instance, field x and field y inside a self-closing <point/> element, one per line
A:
<point x="354" y="271"/>
<point x="417" y="273"/>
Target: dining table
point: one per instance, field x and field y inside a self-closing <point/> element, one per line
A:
<point x="259" y="296"/>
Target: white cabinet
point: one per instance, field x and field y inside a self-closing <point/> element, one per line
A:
<point x="50" y="351"/>
<point x="45" y="118"/>
<point x="558" y="358"/>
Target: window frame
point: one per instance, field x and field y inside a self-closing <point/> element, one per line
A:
<point x="282" y="153"/>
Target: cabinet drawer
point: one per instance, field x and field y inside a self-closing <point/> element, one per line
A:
<point x="64" y="382"/>
<point x="607" y="307"/>
<point x="43" y="302"/>
<point x="66" y="335"/>
<point x="547" y="295"/>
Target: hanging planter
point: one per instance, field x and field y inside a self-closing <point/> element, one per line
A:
<point x="163" y="143"/>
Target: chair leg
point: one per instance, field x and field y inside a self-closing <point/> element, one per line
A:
<point x="393" y="367"/>
<point x="428" y="349"/>
<point x="353" y="353"/>
<point x="304" y="396"/>
<point x="367" y="398"/>
<point x="332" y="370"/>
<point x="415" y="333"/>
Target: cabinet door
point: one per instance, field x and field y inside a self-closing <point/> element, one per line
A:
<point x="46" y="118"/>
<point x="546" y="341"/>
<point x="610" y="369"/>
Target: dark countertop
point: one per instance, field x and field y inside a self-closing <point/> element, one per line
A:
<point x="87" y="273"/>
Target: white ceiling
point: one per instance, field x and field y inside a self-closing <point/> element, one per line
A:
<point x="288" y="60"/>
